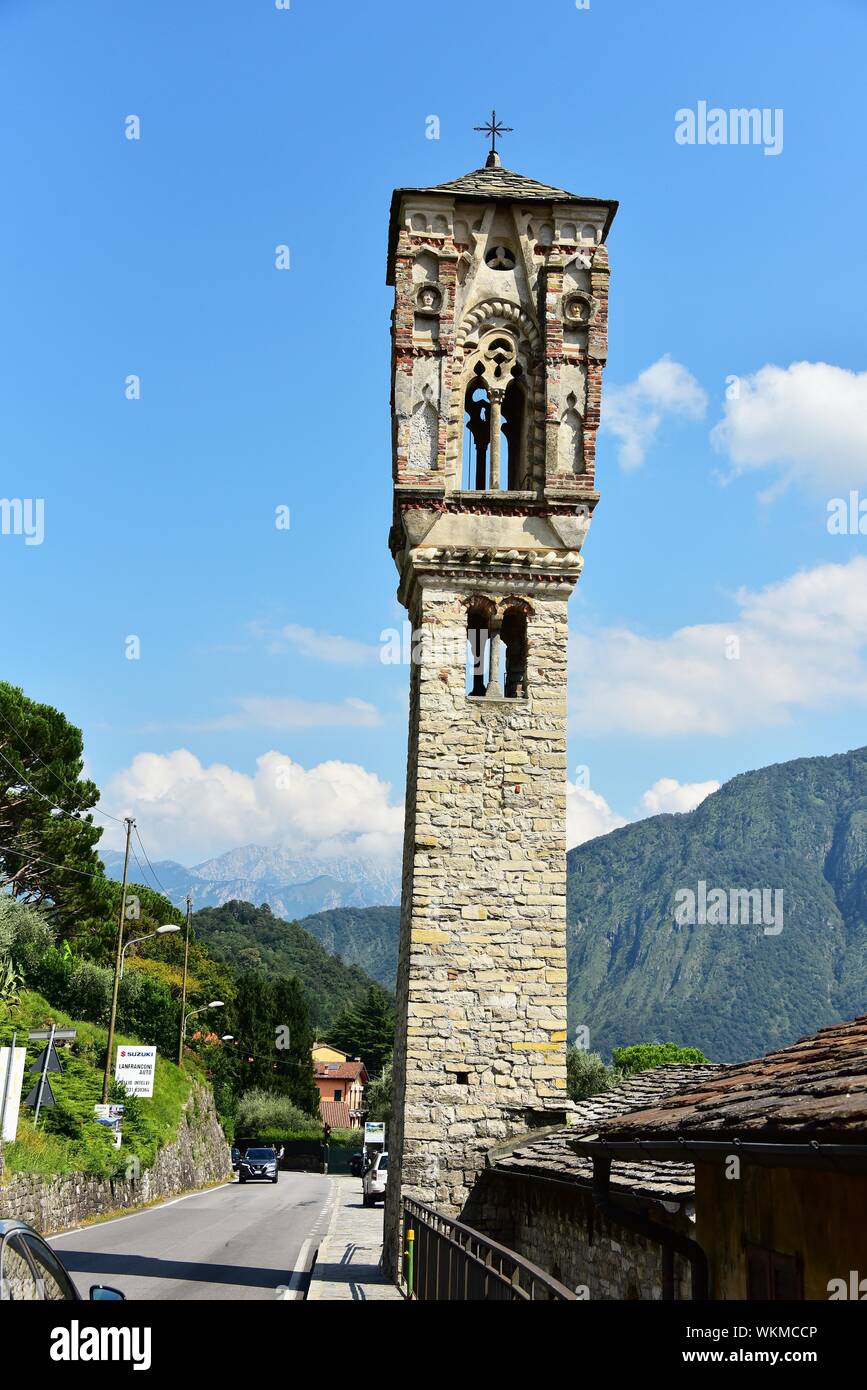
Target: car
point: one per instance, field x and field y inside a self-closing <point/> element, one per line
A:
<point x="236" y="1158"/>
<point x="31" y="1272"/>
<point x="356" y="1163"/>
<point x="374" y="1181"/>
<point x="258" y="1163"/>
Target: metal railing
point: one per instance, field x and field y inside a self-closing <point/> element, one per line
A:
<point x="452" y="1262"/>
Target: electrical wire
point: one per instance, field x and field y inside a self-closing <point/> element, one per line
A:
<point x="54" y="774"/>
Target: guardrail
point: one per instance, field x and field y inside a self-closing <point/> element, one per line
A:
<point x="452" y="1262"/>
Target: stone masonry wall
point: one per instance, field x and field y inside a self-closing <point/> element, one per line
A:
<point x="199" y="1156"/>
<point x="482" y="973"/>
<point x="560" y="1230"/>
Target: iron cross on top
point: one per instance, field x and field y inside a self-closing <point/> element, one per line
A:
<point x="493" y="128"/>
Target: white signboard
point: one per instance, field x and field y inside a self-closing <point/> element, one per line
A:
<point x="9" y="1120"/>
<point x="135" y="1067"/>
<point x="374" y="1133"/>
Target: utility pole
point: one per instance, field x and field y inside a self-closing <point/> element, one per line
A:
<point x="129" y="823"/>
<point x="184" y="989"/>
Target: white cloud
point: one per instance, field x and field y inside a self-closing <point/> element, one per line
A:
<point x="799" y="644"/>
<point x="635" y="412"/>
<point x="808" y="419"/>
<point x="328" y="646"/>
<point x="286" y="712"/>
<point x="670" y="795"/>
<point x="588" y="815"/>
<point x="188" y="811"/>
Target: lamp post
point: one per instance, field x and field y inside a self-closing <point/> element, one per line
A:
<point x="184" y="988"/>
<point x="160" y="931"/>
<point x="214" y="1004"/>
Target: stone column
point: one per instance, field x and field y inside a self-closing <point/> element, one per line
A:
<point x="496" y="425"/>
<point x="494" y="690"/>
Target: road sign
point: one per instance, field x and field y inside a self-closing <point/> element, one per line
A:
<point x="43" y="1102"/>
<point x="136" y="1067"/>
<point x="12" y="1063"/>
<point x="58" y="1034"/>
<point x="374" y="1133"/>
<point x="47" y="1060"/>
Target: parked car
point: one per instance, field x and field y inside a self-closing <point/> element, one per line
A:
<point x="374" y="1181"/>
<point x="258" y="1163"/>
<point x="356" y="1163"/>
<point x="31" y="1272"/>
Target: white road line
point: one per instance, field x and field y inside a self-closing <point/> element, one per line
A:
<point x="142" y="1211"/>
<point x="293" y="1290"/>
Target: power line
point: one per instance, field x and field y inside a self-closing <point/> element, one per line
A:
<point x="37" y="859"/>
<point x="149" y="864"/>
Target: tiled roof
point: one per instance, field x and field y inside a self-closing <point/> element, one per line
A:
<point x="335" y="1113"/>
<point x="338" y="1071"/>
<point x="554" y="1156"/>
<point x="501" y="183"/>
<point x="816" y="1089"/>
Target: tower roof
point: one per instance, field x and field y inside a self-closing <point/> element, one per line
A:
<point x="494" y="184"/>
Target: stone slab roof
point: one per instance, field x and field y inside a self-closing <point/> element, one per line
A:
<point x="816" y="1089"/>
<point x="554" y="1155"/>
<point x="493" y="184"/>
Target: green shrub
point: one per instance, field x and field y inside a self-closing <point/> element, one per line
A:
<point x="264" y="1113"/>
<point x="587" y="1074"/>
<point x="644" y="1056"/>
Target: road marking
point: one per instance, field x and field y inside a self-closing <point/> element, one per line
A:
<point x="292" y="1290"/>
<point x="143" y="1211"/>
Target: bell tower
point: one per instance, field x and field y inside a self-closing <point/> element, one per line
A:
<point x="499" y="339"/>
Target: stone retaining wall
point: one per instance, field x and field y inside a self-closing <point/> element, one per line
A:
<point x="198" y="1157"/>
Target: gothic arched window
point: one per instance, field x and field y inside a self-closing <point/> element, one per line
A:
<point x="514" y="638"/>
<point x="477" y="406"/>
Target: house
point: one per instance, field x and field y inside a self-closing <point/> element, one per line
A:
<point x="537" y="1198"/>
<point x="340" y="1082"/>
<point x="779" y="1147"/>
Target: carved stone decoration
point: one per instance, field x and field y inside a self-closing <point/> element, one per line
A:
<point x="570" y="450"/>
<point x="424" y="433"/>
<point x="579" y="308"/>
<point x="428" y="299"/>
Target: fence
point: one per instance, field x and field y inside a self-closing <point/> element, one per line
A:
<point x="452" y="1262"/>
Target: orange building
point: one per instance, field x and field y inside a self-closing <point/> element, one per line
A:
<point x="340" y="1083"/>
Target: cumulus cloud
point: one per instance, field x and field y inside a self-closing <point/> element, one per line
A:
<point x="286" y="712"/>
<point x="588" y="815"/>
<point x="635" y="412"/>
<point x="188" y="810"/>
<point x="670" y="795"/>
<point x="809" y="420"/>
<point x="795" y="645"/>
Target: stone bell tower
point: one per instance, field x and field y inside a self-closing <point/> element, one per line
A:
<point x="499" y="338"/>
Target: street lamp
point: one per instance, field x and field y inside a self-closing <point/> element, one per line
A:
<point x="160" y="931"/>
<point x="214" y="1004"/>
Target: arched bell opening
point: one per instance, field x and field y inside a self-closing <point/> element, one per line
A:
<point x="478" y="624"/>
<point x="477" y="432"/>
<point x="513" y="633"/>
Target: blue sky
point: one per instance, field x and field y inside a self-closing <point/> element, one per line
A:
<point x="261" y="388"/>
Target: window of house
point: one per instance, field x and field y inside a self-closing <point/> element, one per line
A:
<point x="338" y="1093"/>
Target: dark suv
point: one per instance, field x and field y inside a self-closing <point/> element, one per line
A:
<point x="258" y="1163"/>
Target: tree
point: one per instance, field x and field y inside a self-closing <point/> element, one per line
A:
<point x="644" y="1056"/>
<point x="587" y="1074"/>
<point x="378" y="1098"/>
<point x="294" y="1047"/>
<point x="365" y="1029"/>
<point x="47" y="836"/>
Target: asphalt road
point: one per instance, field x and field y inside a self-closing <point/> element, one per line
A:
<point x="233" y="1242"/>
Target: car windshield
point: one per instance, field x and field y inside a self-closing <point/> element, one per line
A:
<point x="383" y="1163"/>
<point x="258" y="1155"/>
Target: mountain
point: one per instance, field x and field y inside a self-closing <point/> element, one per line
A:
<point x="363" y="936"/>
<point x="252" y="938"/>
<point x="294" y="886"/>
<point x="638" y="972"/>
